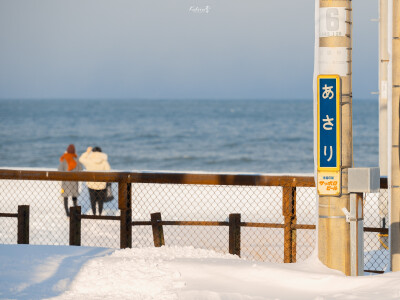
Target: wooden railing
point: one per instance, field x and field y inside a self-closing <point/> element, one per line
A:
<point x="125" y="180"/>
<point x="23" y="223"/>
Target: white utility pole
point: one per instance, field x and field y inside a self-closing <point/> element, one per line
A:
<point x="395" y="167"/>
<point x="383" y="87"/>
<point x="335" y="52"/>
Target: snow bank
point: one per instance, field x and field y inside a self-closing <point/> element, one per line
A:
<point x="169" y="273"/>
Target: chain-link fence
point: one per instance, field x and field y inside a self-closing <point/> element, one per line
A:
<point x="49" y="223"/>
<point x="278" y="213"/>
<point x="376" y="247"/>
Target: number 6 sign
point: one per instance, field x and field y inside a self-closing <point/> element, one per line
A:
<point x="332" y="21"/>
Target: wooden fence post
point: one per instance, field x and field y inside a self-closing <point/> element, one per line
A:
<point x="234" y="234"/>
<point x="125" y="206"/>
<point x="158" y="232"/>
<point x="23" y="224"/>
<point x="75" y="226"/>
<point x="289" y="213"/>
<point x="294" y="222"/>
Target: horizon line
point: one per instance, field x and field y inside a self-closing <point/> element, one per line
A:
<point x="170" y="99"/>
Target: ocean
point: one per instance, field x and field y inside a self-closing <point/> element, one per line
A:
<point x="241" y="136"/>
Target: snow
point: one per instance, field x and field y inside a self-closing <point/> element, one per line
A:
<point x="68" y="272"/>
<point x="39" y="271"/>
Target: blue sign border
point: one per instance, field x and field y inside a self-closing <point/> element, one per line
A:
<point x="331" y="136"/>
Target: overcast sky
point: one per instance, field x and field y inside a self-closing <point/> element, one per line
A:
<point x="160" y="49"/>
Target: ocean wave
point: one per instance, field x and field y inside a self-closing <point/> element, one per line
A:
<point x="261" y="136"/>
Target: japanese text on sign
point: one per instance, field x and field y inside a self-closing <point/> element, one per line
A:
<point x="328" y="122"/>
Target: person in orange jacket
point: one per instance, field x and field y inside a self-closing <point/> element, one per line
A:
<point x="69" y="163"/>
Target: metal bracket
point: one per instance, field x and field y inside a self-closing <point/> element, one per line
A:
<point x="331" y="217"/>
<point x="349" y="218"/>
<point x="347" y="214"/>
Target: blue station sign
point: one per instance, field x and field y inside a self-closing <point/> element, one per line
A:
<point x="328" y="123"/>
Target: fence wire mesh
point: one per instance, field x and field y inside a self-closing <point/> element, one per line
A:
<point x="376" y="250"/>
<point x="49" y="223"/>
<point x="209" y="203"/>
<point x="306" y="214"/>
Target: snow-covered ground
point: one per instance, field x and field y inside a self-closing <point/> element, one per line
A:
<point x="68" y="272"/>
<point x="182" y="270"/>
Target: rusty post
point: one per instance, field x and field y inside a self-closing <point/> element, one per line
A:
<point x="125" y="206"/>
<point x="158" y="232"/>
<point x="23" y="224"/>
<point x="75" y="226"/>
<point x="234" y="234"/>
<point x="294" y="222"/>
<point x="289" y="213"/>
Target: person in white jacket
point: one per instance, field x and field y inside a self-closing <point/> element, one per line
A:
<point x="95" y="160"/>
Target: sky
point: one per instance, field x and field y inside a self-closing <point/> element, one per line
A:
<point x="171" y="49"/>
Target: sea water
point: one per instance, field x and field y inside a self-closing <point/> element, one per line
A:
<point x="256" y="136"/>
